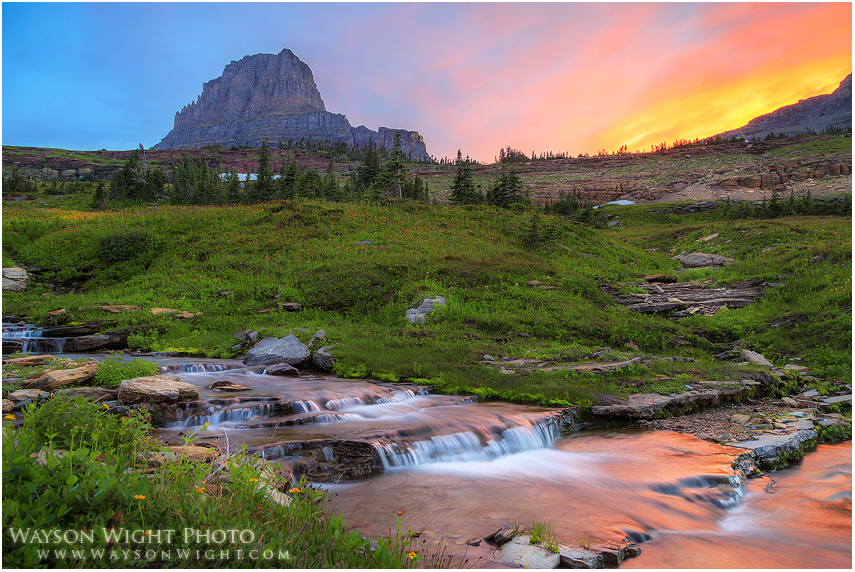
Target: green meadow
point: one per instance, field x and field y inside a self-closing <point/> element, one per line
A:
<point x="357" y="267"/>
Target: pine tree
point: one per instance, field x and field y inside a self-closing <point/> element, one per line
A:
<point x="463" y="189"/>
<point x="99" y="199"/>
<point x="330" y="189"/>
<point x="264" y="187"/>
<point x="288" y="179"/>
<point x="369" y="170"/>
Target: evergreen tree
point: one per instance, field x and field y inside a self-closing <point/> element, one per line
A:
<point x="233" y="187"/>
<point x="99" y="199"/>
<point x="309" y="184"/>
<point x="264" y="188"/>
<point x="288" y="180"/>
<point x="330" y="188"/>
<point x="463" y="189"/>
<point x="369" y="170"/>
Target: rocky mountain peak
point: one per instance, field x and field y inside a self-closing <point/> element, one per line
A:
<point x="273" y="97"/>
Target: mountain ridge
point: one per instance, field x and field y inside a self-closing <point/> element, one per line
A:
<point x="273" y="97"/>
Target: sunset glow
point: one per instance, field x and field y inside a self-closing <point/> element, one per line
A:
<point x="476" y="77"/>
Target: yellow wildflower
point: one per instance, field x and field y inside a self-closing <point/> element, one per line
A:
<point x="9" y="417"/>
<point x="139" y="497"/>
<point x="296" y="490"/>
<point x="200" y="490"/>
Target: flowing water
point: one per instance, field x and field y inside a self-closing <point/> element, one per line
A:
<point x="460" y="470"/>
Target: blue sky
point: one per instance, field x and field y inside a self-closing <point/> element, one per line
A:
<point x="476" y="77"/>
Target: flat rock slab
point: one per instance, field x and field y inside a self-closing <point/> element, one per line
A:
<point x="702" y="260"/>
<point x="157" y="389"/>
<point x="30" y="361"/>
<point x="518" y="551"/>
<point x="686" y="298"/>
<point x="647" y="405"/>
<point x="773" y="451"/>
<point x="61" y="377"/>
<point x="838" y="399"/>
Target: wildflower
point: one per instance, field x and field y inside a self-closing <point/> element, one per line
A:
<point x="200" y="490"/>
<point x="411" y="555"/>
<point x="204" y="427"/>
<point x="106" y="406"/>
<point x="139" y="497"/>
<point x="400" y="512"/>
<point x="9" y="417"/>
<point x="252" y="480"/>
<point x="296" y="490"/>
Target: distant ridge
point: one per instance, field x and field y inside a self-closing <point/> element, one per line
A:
<point x="816" y="113"/>
<point x="273" y="97"/>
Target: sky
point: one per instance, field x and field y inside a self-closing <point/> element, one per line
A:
<point x="572" y="77"/>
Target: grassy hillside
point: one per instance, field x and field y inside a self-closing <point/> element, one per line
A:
<point x="356" y="269"/>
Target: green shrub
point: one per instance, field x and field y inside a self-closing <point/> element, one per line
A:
<point x="111" y="372"/>
<point x="122" y="246"/>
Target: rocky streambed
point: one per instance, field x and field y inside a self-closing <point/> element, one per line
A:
<point x="478" y="478"/>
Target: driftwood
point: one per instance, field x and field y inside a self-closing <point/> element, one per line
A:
<point x="684" y="298"/>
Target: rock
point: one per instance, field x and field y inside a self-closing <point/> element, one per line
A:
<point x="158" y="311"/>
<point x="60" y="377"/>
<point x="740" y="419"/>
<point x="90" y="393"/>
<point x="796" y="368"/>
<point x="613" y="554"/>
<point x="318" y="337"/>
<point x="417" y="315"/>
<point x="756" y="359"/>
<point x="226" y="385"/>
<point x="55" y="313"/>
<point x="30" y="361"/>
<point x="502" y="536"/>
<point x="790" y="401"/>
<point x="838" y="399"/>
<point x="157" y="389"/>
<point x="701" y="260"/>
<point x="290" y="306"/>
<point x="193" y="453"/>
<point x="323" y="359"/>
<point x="773" y="451"/>
<point x="8" y="405"/>
<point x="282" y="369"/>
<point x="247" y="336"/>
<point x="14" y="279"/>
<point x="119" y="308"/>
<point x="28" y="395"/>
<point x="519" y="552"/>
<point x="271" y="350"/>
<point x="579" y="557"/>
<point x="97" y="342"/>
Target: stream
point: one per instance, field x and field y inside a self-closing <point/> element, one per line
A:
<point x="460" y="470"/>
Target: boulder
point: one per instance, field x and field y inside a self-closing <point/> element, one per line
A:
<point x="282" y="369"/>
<point x="417" y="315"/>
<point x="701" y="260"/>
<point x="98" y="342"/>
<point x="290" y="306"/>
<point x="740" y="418"/>
<point x="28" y="395"/>
<point x="8" y="405"/>
<point x="796" y="368"/>
<point x="271" y="350"/>
<point x="323" y="359"/>
<point x="247" y="336"/>
<point x="14" y="279"/>
<point x="157" y="389"/>
<point x="519" y="552"/>
<point x="579" y="557"/>
<point x="226" y="385"/>
<point x="318" y="337"/>
<point x="756" y="359"/>
<point x="502" y="536"/>
<point x="60" y="377"/>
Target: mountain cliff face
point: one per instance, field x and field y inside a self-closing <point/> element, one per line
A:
<point x="272" y="97"/>
<point x="817" y="113"/>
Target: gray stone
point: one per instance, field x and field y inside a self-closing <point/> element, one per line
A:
<point x="14" y="279"/>
<point x="756" y="358"/>
<point x="247" y="336"/>
<point x="417" y="315"/>
<point x="271" y="351"/>
<point x="740" y="418"/>
<point x="323" y="359"/>
<point x="31" y="394"/>
<point x="796" y="368"/>
<point x="282" y="369"/>
<point x="700" y="260"/>
<point x="771" y="451"/>
<point x="518" y="551"/>
<point x="318" y="337"/>
<point x="579" y="557"/>
<point x="838" y="399"/>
